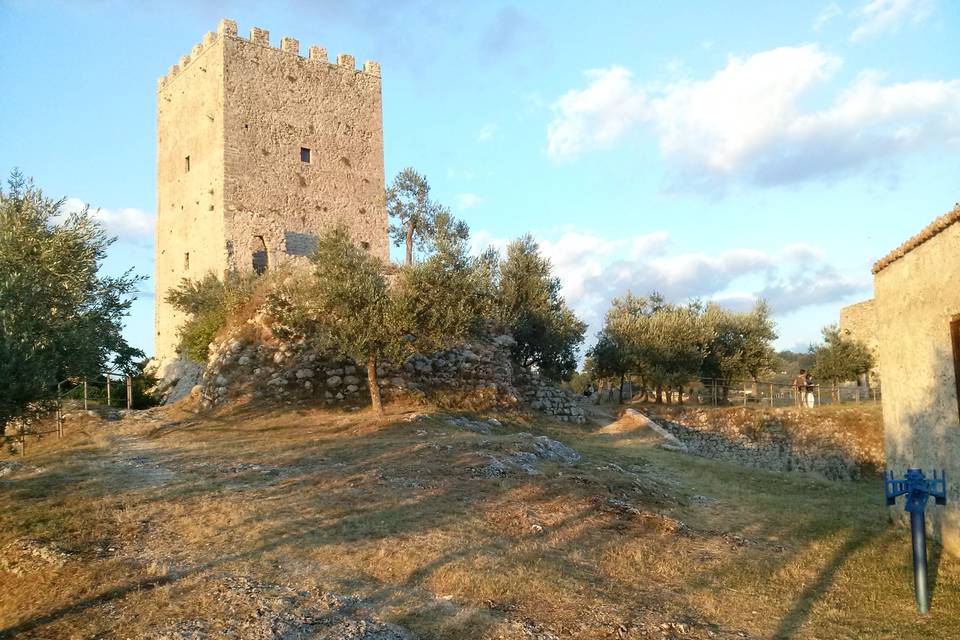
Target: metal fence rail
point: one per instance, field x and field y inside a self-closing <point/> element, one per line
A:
<point x="99" y="391"/>
<point x="768" y="393"/>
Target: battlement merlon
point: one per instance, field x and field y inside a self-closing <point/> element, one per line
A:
<point x="261" y="37"/>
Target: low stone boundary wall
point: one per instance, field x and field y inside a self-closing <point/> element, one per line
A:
<point x="775" y="441"/>
<point x="476" y="374"/>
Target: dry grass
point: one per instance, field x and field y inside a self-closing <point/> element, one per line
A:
<point x="157" y="515"/>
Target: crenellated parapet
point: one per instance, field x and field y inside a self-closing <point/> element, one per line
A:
<point x="227" y="28"/>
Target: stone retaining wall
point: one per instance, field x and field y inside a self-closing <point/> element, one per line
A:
<point x="476" y="374"/>
<point x="777" y="442"/>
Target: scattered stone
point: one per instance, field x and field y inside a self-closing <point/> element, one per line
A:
<point x="526" y="455"/>
<point x="27" y="555"/>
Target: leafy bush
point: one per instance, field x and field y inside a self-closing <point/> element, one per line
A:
<point x="209" y="303"/>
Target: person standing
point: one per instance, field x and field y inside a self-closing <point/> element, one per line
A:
<point x="800" y="388"/>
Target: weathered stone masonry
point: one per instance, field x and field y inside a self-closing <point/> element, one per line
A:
<point x="258" y="151"/>
<point x="249" y="362"/>
<point x="917" y="300"/>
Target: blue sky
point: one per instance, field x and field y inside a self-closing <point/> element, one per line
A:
<point x="720" y="150"/>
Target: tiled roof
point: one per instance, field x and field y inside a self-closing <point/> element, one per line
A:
<point x="928" y="232"/>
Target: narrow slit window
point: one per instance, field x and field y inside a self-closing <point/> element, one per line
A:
<point x="186" y="164"/>
<point x="186" y="261"/>
<point x="305" y="155"/>
<point x="955" y="341"/>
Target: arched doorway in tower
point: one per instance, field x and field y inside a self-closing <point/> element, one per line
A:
<point x="260" y="256"/>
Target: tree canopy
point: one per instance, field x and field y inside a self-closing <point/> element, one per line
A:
<point x="667" y="345"/>
<point x="409" y="204"/>
<point x="529" y="304"/>
<point x="349" y="308"/>
<point x="840" y="358"/>
<point x="59" y="315"/>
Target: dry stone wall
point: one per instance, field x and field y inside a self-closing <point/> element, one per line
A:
<point x="781" y="440"/>
<point x="476" y="374"/>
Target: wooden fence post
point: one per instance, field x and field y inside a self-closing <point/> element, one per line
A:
<point x="771" y="395"/>
<point x="129" y="392"/>
<point x="84" y="394"/>
<point x="59" y="410"/>
<point x="107" y="376"/>
<point x="744" y="394"/>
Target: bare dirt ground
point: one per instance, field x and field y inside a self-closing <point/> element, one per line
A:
<point x="305" y="523"/>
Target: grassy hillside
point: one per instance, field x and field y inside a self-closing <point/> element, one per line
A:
<point x="302" y="523"/>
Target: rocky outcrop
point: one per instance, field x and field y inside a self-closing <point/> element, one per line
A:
<point x="475" y="374"/>
<point x="176" y="377"/>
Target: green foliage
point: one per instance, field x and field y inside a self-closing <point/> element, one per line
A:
<point x="738" y="344"/>
<point x="668" y="345"/>
<point x="58" y="316"/>
<point x="529" y="304"/>
<point x="408" y="202"/>
<point x="209" y="303"/>
<point x="578" y="382"/>
<point x="840" y="358"/>
<point x="349" y="308"/>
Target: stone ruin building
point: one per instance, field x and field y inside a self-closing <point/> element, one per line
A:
<point x="259" y="149"/>
<point x="917" y="311"/>
<point x="859" y="321"/>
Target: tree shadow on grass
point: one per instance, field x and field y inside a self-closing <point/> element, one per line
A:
<point x="791" y="623"/>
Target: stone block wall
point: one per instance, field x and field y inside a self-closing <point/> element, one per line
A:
<point x="916" y="298"/>
<point x="477" y="374"/>
<point x="260" y="150"/>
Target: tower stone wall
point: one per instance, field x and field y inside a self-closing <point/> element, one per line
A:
<point x="259" y="150"/>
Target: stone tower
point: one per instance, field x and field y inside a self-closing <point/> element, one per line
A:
<point x="258" y="151"/>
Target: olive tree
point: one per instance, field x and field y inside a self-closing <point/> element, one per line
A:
<point x="529" y="304"/>
<point x="349" y="307"/>
<point x="59" y="315"/>
<point x="840" y="358"/>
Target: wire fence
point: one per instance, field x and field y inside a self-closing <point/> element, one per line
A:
<point x="104" y="392"/>
<point x="755" y="393"/>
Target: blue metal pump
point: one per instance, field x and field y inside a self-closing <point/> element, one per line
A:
<point x="918" y="490"/>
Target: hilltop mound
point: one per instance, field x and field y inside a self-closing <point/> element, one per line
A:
<point x="270" y="523"/>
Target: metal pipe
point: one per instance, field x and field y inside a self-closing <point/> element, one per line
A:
<point x="918" y="533"/>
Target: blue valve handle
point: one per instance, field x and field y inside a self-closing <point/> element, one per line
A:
<point x="918" y="490"/>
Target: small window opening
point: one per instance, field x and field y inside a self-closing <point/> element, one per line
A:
<point x="304" y="155"/>
<point x="186" y="164"/>
<point x="955" y="341"/>
<point x="365" y="245"/>
<point x="259" y="257"/>
<point x="186" y="261"/>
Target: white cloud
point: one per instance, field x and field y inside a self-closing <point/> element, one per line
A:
<point x="593" y="269"/>
<point x="487" y="132"/>
<point x="802" y="252"/>
<point x="828" y="13"/>
<point x="887" y="16"/>
<point x="648" y="243"/>
<point x="749" y="123"/>
<point x="468" y="200"/>
<point x="596" y="116"/>
<point x="128" y="223"/>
